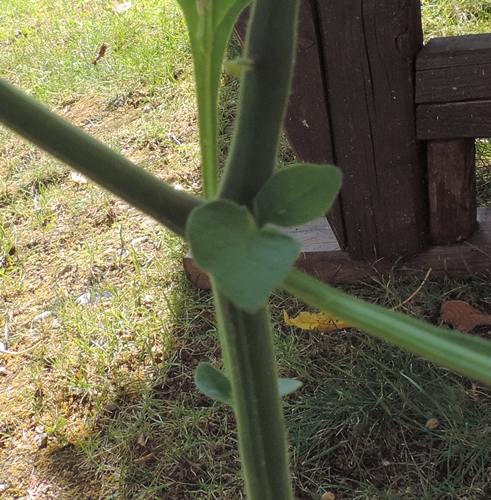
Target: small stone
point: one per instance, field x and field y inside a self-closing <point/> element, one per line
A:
<point x="110" y="407"/>
<point x="78" y="178"/>
<point x="91" y="298"/>
<point x="432" y="423"/>
<point x="328" y="495"/>
<point x="148" y="299"/>
<point x="42" y="316"/>
<point x="42" y="441"/>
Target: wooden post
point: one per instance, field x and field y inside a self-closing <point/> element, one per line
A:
<point x="369" y="49"/>
<point x="452" y="190"/>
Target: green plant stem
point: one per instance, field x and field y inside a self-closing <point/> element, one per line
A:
<point x="270" y="46"/>
<point x="465" y="354"/>
<point x="104" y="166"/>
<point x="208" y="133"/>
<point x="247" y="348"/>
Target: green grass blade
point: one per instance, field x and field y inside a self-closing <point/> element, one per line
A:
<point x="461" y="353"/>
<point x="104" y="166"/>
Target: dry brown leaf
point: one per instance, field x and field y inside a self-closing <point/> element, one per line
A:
<point x="462" y="315"/>
<point x="144" y="459"/>
<point x="100" y="55"/>
<point x="142" y="440"/>
<point x="322" y="322"/>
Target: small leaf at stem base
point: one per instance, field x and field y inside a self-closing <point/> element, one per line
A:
<point x="213" y="383"/>
<point x="288" y="385"/>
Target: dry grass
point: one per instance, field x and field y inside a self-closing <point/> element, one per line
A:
<point x="102" y="404"/>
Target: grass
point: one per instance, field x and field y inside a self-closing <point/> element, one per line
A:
<point x="103" y="405"/>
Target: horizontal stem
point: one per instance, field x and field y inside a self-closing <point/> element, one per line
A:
<point x="98" y="162"/>
<point x="462" y="353"/>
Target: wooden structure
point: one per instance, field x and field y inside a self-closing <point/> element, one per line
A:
<point x="400" y="119"/>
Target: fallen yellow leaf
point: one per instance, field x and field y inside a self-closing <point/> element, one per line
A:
<point x="322" y="322"/>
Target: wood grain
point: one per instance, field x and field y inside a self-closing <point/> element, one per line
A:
<point x="369" y="54"/>
<point x="453" y="120"/>
<point x="451" y="190"/>
<point x="454" y="69"/>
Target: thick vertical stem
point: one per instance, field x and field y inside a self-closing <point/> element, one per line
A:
<point x="250" y="364"/>
<point x="270" y="46"/>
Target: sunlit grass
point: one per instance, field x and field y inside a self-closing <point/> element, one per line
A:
<point x="96" y="291"/>
<point x="48" y="47"/>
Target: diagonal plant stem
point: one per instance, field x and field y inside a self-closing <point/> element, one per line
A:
<point x="270" y="48"/>
<point x="104" y="166"/>
<point x="465" y="354"/>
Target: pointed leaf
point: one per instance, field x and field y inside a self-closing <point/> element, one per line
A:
<point x="247" y="262"/>
<point x="210" y="23"/>
<point x="288" y="385"/>
<point x="298" y="194"/>
<point x="213" y="383"/>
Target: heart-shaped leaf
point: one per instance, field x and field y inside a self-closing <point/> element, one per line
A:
<point x="288" y="385"/>
<point x="247" y="262"/>
<point x="298" y="194"/>
<point x="213" y="383"/>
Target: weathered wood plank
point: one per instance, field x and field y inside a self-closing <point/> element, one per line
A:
<point x="322" y="258"/>
<point x="472" y="257"/>
<point x="307" y="121"/>
<point x="369" y="52"/>
<point x="451" y="190"/>
<point x="454" y="69"/>
<point x="453" y="120"/>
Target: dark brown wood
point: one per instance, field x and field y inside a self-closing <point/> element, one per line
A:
<point x="307" y="121"/>
<point x="454" y="69"/>
<point x="322" y="258"/>
<point x="451" y="190"/>
<point x="369" y="52"/>
<point x="453" y="120"/>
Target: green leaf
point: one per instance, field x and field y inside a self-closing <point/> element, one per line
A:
<point x="210" y="23"/>
<point x="213" y="383"/>
<point x="288" y="385"/>
<point x="297" y="194"/>
<point x="246" y="262"/>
